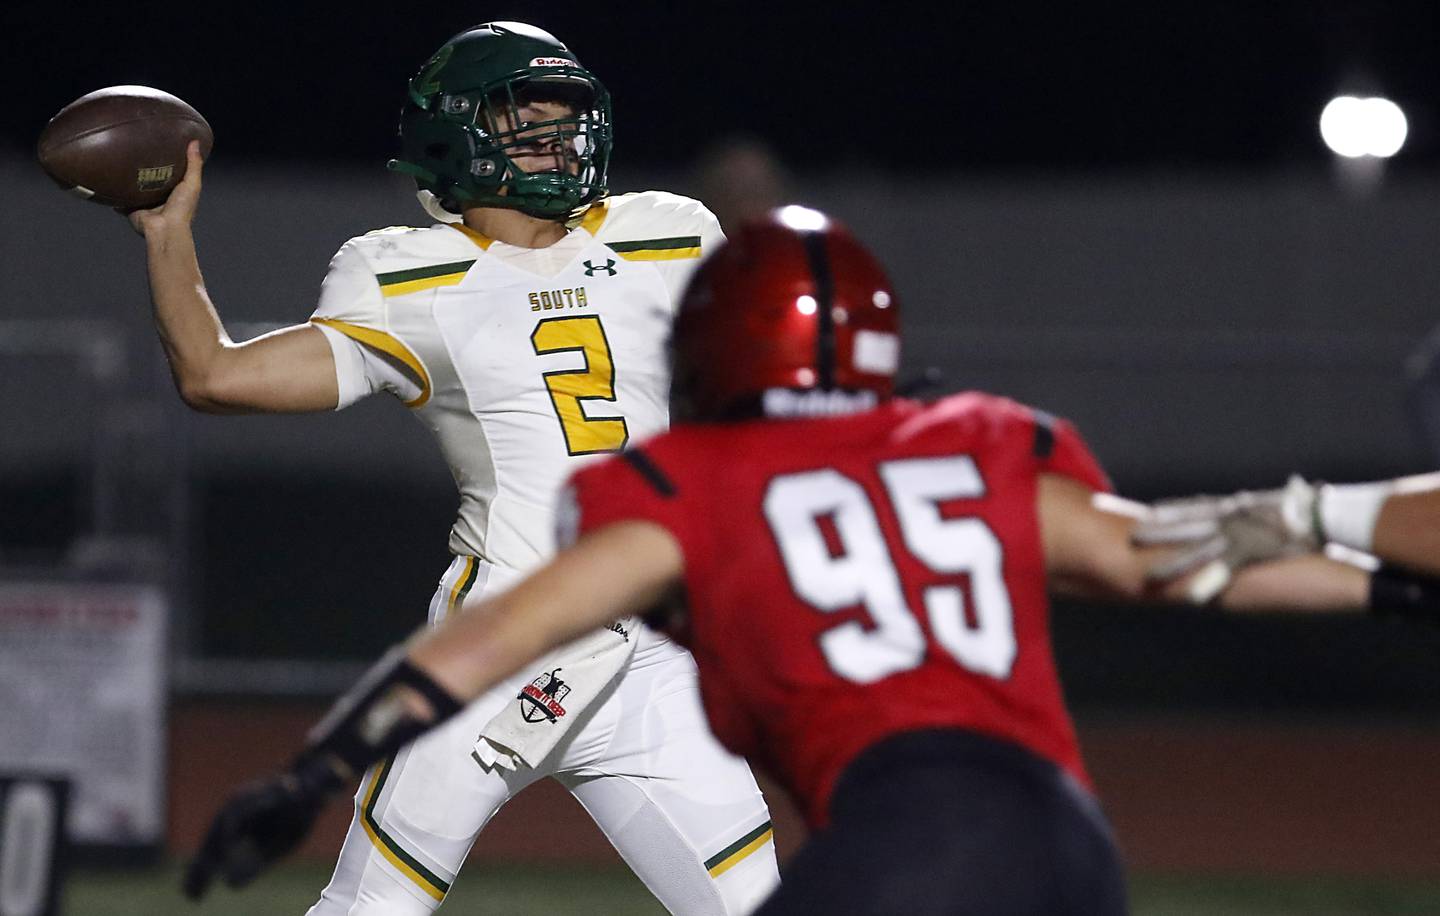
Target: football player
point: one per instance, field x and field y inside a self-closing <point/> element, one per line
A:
<point x="527" y="331"/>
<point x="863" y="582"/>
<point x="1395" y="521"/>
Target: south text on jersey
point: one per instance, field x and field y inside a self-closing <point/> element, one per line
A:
<point x="549" y="299"/>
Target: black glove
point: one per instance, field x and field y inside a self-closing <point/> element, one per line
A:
<point x="265" y="820"/>
<point x="260" y="823"/>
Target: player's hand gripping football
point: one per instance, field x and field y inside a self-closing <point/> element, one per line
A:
<point x="178" y="210"/>
<point x="387" y="708"/>
<point x="260" y="823"/>
<point x="1218" y="536"/>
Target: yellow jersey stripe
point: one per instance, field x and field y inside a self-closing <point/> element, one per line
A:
<point x="388" y="345"/>
<point x="462" y="586"/>
<point x="737" y="854"/>
<point x="396" y="861"/>
<point x="594" y="217"/>
<point x="387" y="847"/>
<point x="479" y="238"/>
<point x="660" y="254"/>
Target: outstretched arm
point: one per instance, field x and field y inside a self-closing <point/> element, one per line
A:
<point x="289" y="370"/>
<point x="1090" y="551"/>
<point x="1396" y="520"/>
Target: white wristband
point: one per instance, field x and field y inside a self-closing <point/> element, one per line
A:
<point x="1348" y="512"/>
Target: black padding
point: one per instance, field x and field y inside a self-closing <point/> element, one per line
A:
<point x="650" y="471"/>
<point x="1044" y="435"/>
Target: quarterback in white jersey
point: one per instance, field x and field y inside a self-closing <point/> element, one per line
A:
<point x="521" y="360"/>
<point x="528" y="331"/>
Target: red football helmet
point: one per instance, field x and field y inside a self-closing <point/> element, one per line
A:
<point x="791" y="316"/>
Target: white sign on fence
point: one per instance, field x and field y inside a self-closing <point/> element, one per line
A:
<point x="82" y="693"/>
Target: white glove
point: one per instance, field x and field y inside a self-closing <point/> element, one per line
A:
<point x="1220" y="535"/>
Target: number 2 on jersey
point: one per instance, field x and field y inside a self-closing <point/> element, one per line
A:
<point x="864" y="572"/>
<point x="569" y="388"/>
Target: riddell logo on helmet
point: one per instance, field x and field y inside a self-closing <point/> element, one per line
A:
<point x="551" y="62"/>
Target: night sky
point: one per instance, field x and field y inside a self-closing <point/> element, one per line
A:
<point x="1015" y="86"/>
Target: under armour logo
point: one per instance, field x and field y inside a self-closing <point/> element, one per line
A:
<point x="608" y="267"/>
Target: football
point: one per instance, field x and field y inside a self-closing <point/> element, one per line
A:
<point x="123" y="146"/>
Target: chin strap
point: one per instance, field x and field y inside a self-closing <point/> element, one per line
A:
<point x="431" y="205"/>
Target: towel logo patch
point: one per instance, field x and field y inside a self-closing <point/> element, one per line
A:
<point x="540" y="699"/>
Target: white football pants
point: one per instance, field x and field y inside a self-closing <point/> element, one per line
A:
<point x="684" y="813"/>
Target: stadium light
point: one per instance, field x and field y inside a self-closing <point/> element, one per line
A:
<point x="1355" y="127"/>
<point x="802" y="219"/>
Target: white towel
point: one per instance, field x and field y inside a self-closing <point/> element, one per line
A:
<point x="566" y="682"/>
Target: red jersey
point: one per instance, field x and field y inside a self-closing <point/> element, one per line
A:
<point x="851" y="578"/>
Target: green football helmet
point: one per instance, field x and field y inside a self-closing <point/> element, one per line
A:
<point x="461" y="124"/>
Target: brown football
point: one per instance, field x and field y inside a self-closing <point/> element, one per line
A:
<point x="123" y="146"/>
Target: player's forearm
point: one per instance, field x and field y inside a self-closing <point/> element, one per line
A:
<point x="614" y="572"/>
<point x="290" y="370"/>
<point x="1086" y="538"/>
<point x="478" y="649"/>
<point x="1307" y="583"/>
<point x="1407" y="531"/>
<point x="1090" y="552"/>
<point x="190" y="329"/>
<point x="1311" y="584"/>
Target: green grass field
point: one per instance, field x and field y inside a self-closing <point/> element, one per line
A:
<point x="536" y="891"/>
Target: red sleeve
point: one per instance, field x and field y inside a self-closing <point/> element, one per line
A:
<point x="1060" y="450"/>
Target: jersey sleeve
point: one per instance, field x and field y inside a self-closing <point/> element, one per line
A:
<point x="352" y="313"/>
<point x="1061" y="450"/>
<point x="350" y="292"/>
<point x="361" y="372"/>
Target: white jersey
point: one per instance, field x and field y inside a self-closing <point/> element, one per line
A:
<point x="524" y="362"/>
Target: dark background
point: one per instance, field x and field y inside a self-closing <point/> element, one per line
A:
<point x="1014" y="86"/>
<point x="1138" y="218"/>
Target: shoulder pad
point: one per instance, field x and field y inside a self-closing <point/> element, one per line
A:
<point x="409" y="243"/>
<point x="406" y="260"/>
<point x="653" y="213"/>
<point x="654" y="225"/>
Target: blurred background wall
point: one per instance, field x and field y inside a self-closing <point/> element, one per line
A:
<point x="1125" y="216"/>
<point x="1205" y="332"/>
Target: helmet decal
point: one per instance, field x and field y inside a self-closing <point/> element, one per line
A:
<point x="426" y="83"/>
<point x="877" y="352"/>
